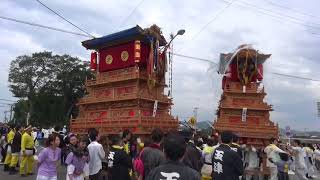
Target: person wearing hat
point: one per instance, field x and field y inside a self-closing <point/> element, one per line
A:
<point x="27" y="149"/>
<point x="10" y="137"/>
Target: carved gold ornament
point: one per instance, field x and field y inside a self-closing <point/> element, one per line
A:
<point x="124" y="55"/>
<point x="109" y="59"/>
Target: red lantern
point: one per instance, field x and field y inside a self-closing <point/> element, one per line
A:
<point x="93" y="61"/>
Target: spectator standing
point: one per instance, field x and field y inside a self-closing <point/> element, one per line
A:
<point x="174" y="149"/>
<point x="48" y="158"/>
<point x="192" y="157"/>
<point x="96" y="155"/>
<point x="152" y="156"/>
<point x="77" y="162"/>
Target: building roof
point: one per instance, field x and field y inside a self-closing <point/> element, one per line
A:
<point x="134" y="33"/>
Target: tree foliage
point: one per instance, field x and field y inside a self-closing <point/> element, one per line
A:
<point x="48" y="86"/>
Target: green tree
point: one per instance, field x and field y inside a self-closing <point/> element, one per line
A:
<point x="48" y="86"/>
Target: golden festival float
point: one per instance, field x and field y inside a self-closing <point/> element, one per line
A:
<point x="128" y="89"/>
<point x="242" y="108"/>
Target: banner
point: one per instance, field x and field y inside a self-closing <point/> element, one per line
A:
<point x="155" y="107"/>
<point x="244" y="115"/>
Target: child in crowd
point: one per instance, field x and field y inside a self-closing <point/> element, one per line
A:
<point x="77" y="162"/>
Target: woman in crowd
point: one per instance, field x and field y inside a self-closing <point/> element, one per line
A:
<point x="48" y="159"/>
<point x="77" y="162"/>
<point x="71" y="144"/>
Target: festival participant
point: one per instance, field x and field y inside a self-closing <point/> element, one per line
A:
<point x="272" y="152"/>
<point x="48" y="158"/>
<point x="15" y="148"/>
<point x="126" y="137"/>
<point x="77" y="161"/>
<point x="251" y="160"/>
<point x="10" y="137"/>
<point x="226" y="163"/>
<point x="235" y="145"/>
<point x="317" y="157"/>
<point x="309" y="149"/>
<point x="174" y="149"/>
<point x="300" y="166"/>
<point x="96" y="155"/>
<point x="27" y="149"/>
<point x="283" y="166"/>
<point x="207" y="153"/>
<point x="3" y="144"/>
<point x="152" y="156"/>
<point x="119" y="162"/>
<point x="192" y="157"/>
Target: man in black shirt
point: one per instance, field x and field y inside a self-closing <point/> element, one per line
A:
<point x="226" y="163"/>
<point x="192" y="157"/>
<point x="119" y="162"/>
<point x="173" y="169"/>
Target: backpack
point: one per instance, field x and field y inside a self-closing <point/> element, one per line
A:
<point x="138" y="164"/>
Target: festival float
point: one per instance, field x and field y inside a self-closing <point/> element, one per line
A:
<point x="242" y="109"/>
<point x="128" y="89"/>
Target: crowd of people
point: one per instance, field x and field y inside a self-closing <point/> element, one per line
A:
<point x="173" y="156"/>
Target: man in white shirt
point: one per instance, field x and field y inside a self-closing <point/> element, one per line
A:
<point x="300" y="165"/>
<point x="272" y="152"/>
<point x="96" y="155"/>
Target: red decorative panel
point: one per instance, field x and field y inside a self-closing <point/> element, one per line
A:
<point x="146" y="113"/>
<point x="120" y="56"/>
<point x="244" y="102"/>
<point x="234" y="119"/>
<point x="125" y="90"/>
<point x="253" y="120"/>
<point x="131" y="113"/>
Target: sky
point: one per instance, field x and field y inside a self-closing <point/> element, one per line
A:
<point x="287" y="29"/>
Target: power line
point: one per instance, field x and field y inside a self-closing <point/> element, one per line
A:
<point x="278" y="15"/>
<point x="297" y="77"/>
<point x="131" y="13"/>
<point x="213" y="18"/>
<point x="275" y="73"/>
<point x="43" y="26"/>
<point x="64" y="18"/>
<point x="291" y="9"/>
<point x="194" y="58"/>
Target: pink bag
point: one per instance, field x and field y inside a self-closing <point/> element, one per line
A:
<point x="138" y="164"/>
